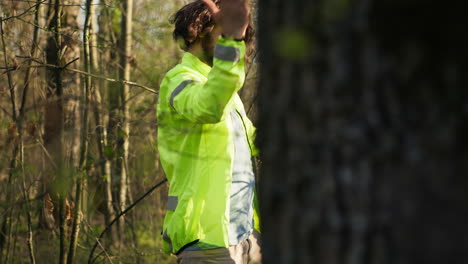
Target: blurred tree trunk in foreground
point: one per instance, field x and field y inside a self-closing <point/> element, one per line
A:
<point x="363" y="122"/>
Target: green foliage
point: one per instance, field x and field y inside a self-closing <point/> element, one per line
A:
<point x="63" y="180"/>
<point x="140" y="109"/>
<point x="293" y="44"/>
<point x="122" y="133"/>
<point x="115" y="15"/>
<point x="109" y="152"/>
<point x="31" y="169"/>
<point x="4" y="124"/>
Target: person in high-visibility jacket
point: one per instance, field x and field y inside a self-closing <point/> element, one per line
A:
<point x="206" y="140"/>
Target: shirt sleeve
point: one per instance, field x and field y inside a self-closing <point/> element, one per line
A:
<point x="206" y="102"/>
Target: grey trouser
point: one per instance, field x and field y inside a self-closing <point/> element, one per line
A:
<point x="246" y="252"/>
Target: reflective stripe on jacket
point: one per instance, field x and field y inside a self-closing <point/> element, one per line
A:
<point x="195" y="142"/>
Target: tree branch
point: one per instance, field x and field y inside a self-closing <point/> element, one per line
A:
<point x="22" y="14"/>
<point x="90" y="259"/>
<point x="151" y="90"/>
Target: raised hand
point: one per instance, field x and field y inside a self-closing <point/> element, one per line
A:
<point x="232" y="15"/>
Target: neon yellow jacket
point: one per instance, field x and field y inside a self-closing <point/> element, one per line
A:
<point x="196" y="145"/>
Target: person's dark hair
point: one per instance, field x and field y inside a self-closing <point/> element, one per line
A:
<point x="193" y="19"/>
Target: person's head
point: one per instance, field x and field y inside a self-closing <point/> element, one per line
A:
<point x="196" y="32"/>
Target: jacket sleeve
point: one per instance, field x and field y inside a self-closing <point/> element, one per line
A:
<point x="206" y="102"/>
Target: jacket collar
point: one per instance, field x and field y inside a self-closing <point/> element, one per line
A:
<point x="195" y="63"/>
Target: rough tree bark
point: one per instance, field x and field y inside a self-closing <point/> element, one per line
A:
<point x="53" y="121"/>
<point x="363" y="120"/>
<point x="62" y="125"/>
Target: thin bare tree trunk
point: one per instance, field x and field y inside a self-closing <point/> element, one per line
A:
<point x="63" y="229"/>
<point x="84" y="136"/>
<point x="5" y="232"/>
<point x="104" y="161"/>
<point x="30" y="240"/>
<point x="32" y="53"/>
<point x="76" y="220"/>
<point x="30" y="237"/>
<point x="123" y="139"/>
<point x="108" y="147"/>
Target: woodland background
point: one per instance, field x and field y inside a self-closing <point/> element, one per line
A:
<point x="78" y="90"/>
